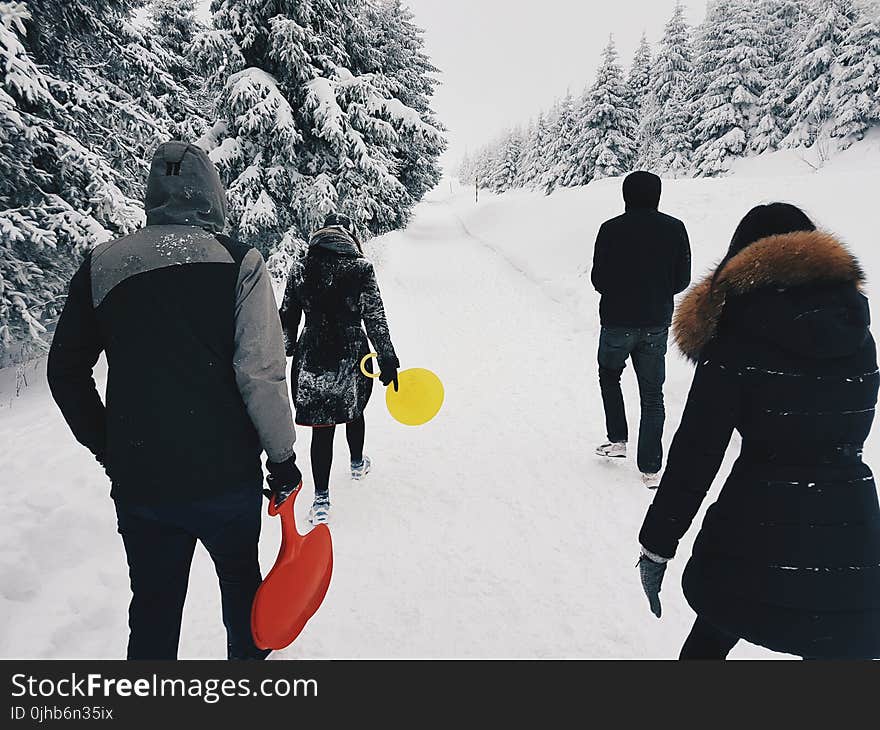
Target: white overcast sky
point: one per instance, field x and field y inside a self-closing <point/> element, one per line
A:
<point x="505" y="60"/>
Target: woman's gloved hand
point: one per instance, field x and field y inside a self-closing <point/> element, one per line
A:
<point x="283" y="480"/>
<point x="388" y="371"/>
<point x="651" y="572"/>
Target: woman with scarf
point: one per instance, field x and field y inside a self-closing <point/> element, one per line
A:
<point x="334" y="285"/>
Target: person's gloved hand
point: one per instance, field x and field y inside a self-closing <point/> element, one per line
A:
<point x="652" y="573"/>
<point x="388" y="372"/>
<point x="283" y="480"/>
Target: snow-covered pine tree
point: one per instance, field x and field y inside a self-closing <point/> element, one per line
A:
<point x="308" y="123"/>
<point x="671" y="69"/>
<point x="814" y="65"/>
<point x="855" y="93"/>
<point x="478" y="168"/>
<point x="780" y="22"/>
<point x="58" y="194"/>
<point x="639" y="79"/>
<point x="580" y="158"/>
<point x="673" y="64"/>
<point x="732" y="62"/>
<point x="175" y="22"/>
<point x="674" y="145"/>
<point x="534" y="165"/>
<point x="507" y="171"/>
<point x="173" y="26"/>
<point x="563" y="131"/>
<point x="526" y="134"/>
<point x="607" y="140"/>
<point x="400" y="47"/>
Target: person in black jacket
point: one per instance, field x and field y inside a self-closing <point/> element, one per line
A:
<point x="789" y="555"/>
<point x="641" y="260"/>
<point x="196" y="391"/>
<point x="335" y="286"/>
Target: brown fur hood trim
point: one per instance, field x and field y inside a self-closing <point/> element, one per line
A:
<point x="787" y="260"/>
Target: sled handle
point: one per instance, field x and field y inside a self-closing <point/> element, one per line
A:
<point x="364" y="365"/>
<point x="287" y="504"/>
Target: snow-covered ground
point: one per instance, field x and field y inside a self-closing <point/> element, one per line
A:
<point x="491" y="532"/>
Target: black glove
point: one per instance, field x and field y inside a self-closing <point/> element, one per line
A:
<point x="652" y="573"/>
<point x="283" y="480"/>
<point x="388" y="372"/>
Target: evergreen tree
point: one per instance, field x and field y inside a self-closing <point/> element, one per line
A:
<point x="733" y="62"/>
<point x="674" y="146"/>
<point x="780" y="21"/>
<point x="175" y="22"/>
<point x="813" y="67"/>
<point x="605" y="144"/>
<point x="855" y="92"/>
<point x="672" y="69"/>
<point x="58" y="193"/>
<point x="648" y="137"/>
<point x="507" y="171"/>
<point x="534" y="163"/>
<point x="559" y="151"/>
<point x="311" y="121"/>
<point x="401" y="56"/>
<point x="173" y="27"/>
<point x="673" y="65"/>
<point x="639" y="80"/>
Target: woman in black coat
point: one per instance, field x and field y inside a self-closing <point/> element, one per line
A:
<point x="789" y="555"/>
<point x="335" y="286"/>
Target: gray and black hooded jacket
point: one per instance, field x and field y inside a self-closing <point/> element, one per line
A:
<point x="196" y="388"/>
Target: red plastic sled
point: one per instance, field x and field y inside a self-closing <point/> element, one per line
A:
<point x="295" y="587"/>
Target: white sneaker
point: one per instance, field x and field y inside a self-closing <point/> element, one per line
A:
<point x="360" y="469"/>
<point x="651" y="481"/>
<point x="612" y="450"/>
<point x="320" y="512"/>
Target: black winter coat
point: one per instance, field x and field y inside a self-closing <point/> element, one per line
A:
<point x="335" y="287"/>
<point x="641" y="260"/>
<point x="196" y="369"/>
<point x="789" y="555"/>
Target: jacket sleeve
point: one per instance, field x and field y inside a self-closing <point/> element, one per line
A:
<point x="600" y="254"/>
<point x="373" y="314"/>
<point x="694" y="458"/>
<point x="259" y="362"/>
<point x="683" y="263"/>
<point x="291" y="314"/>
<point x="76" y="347"/>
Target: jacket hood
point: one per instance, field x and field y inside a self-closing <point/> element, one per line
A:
<point x="799" y="290"/>
<point x="335" y="239"/>
<point x="184" y="189"/>
<point x="641" y="191"/>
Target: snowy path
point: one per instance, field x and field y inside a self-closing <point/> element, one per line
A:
<point x="491" y="532"/>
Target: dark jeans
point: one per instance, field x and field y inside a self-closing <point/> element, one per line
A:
<point x="159" y="544"/>
<point x="707" y="642"/>
<point x="647" y="348"/>
<point x="322" y="450"/>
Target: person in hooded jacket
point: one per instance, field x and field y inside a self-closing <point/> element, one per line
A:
<point x="641" y="260"/>
<point x="196" y="391"/>
<point x="788" y="557"/>
<point x="335" y="286"/>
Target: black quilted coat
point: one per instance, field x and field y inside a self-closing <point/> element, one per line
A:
<point x="789" y="555"/>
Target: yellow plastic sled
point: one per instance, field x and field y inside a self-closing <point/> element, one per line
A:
<point x="419" y="397"/>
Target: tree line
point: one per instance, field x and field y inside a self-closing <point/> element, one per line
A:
<point x="754" y="76"/>
<point x="306" y="107"/>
